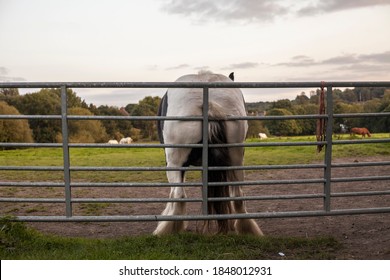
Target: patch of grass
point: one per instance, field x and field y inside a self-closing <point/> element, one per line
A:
<point x="36" y="208"/>
<point x="93" y="208"/>
<point x="308" y="154"/>
<point x="20" y="242"/>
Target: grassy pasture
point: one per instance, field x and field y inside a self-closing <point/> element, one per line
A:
<point x="19" y="242"/>
<point x="118" y="157"/>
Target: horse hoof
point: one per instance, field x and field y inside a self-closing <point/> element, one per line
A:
<point x="170" y="227"/>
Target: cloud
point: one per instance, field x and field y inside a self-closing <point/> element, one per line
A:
<point x="345" y="59"/>
<point x="259" y="10"/>
<point x="5" y="78"/>
<point x="342" y="59"/>
<point x="298" y="61"/>
<point x="341" y="67"/>
<point x="353" y="59"/>
<point x="3" y="71"/>
<point x="377" y="57"/>
<point x="243" y="65"/>
<point x="338" y="5"/>
<point x="202" y="68"/>
<point x="222" y="10"/>
<point x="178" y="67"/>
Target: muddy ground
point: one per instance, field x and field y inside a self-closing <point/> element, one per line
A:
<point x="362" y="236"/>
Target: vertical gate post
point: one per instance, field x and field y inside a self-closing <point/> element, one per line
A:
<point x="65" y="152"/>
<point x="205" y="148"/>
<point x="328" y="151"/>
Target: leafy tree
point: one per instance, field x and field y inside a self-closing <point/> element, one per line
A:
<point x="282" y="104"/>
<point x="43" y="102"/>
<point x="255" y="127"/>
<point x="282" y="127"/>
<point x="302" y="99"/>
<point x="315" y="98"/>
<point x="384" y="123"/>
<point x="350" y="96"/>
<point x="345" y="108"/>
<point x="147" y="107"/>
<point x="13" y="130"/>
<point x="258" y="107"/>
<point x="307" y="126"/>
<point x="9" y="91"/>
<point x="135" y="134"/>
<point x="130" y="107"/>
<point x="116" y="129"/>
<point x="84" y="131"/>
<point x="367" y="93"/>
<point x="373" y="123"/>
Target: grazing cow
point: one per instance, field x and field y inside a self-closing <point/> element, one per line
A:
<point x="263" y="136"/>
<point x="112" y="142"/>
<point x="361" y="131"/>
<point x="126" y="140"/>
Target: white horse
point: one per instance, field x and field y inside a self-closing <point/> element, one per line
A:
<point x="189" y="102"/>
<point x="126" y="140"/>
<point x="262" y="136"/>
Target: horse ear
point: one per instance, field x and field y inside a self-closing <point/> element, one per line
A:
<point x="231" y="76"/>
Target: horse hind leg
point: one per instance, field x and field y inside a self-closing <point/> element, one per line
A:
<point x="173" y="208"/>
<point x="175" y="158"/>
<point x="243" y="226"/>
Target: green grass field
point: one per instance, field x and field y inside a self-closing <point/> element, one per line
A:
<point x="19" y="242"/>
<point x="117" y="157"/>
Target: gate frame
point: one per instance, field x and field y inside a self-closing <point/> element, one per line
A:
<point x="205" y="86"/>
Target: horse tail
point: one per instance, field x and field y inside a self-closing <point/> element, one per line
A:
<point x="219" y="157"/>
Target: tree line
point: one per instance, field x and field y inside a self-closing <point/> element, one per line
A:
<point x="48" y="102"/>
<point x="357" y="100"/>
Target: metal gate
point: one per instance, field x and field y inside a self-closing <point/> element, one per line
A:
<point x="327" y="195"/>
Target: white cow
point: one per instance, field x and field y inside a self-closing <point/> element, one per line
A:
<point x="112" y="142"/>
<point x="126" y="140"/>
<point x="263" y="136"/>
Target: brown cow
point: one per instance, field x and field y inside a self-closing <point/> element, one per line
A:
<point x="361" y="131"/>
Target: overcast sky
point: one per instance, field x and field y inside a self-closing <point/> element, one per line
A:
<point x="160" y="40"/>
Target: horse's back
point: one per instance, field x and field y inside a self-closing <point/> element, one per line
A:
<point x="204" y="76"/>
<point x="189" y="101"/>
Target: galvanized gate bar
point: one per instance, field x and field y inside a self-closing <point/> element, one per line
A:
<point x="249" y="145"/>
<point x="191" y="184"/>
<point x="193" y="118"/>
<point x="334" y="84"/>
<point x="98" y="184"/>
<point x="328" y="149"/>
<point x="360" y="179"/>
<point x="192" y="168"/>
<point x="155" y="218"/>
<point x="65" y="151"/>
<point x="100" y="200"/>
<point x="361" y="164"/>
<point x="205" y="151"/>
